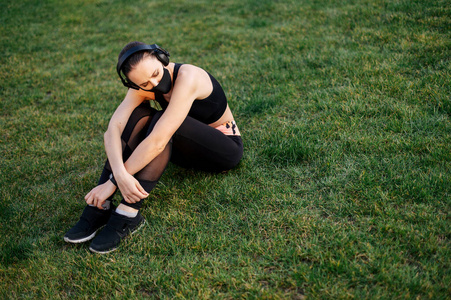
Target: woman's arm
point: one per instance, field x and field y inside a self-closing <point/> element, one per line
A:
<point x="113" y="148"/>
<point x="112" y="137"/>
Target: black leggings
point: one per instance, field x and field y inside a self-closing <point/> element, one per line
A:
<point x="194" y="145"/>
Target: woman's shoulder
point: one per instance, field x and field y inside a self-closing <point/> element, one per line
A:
<point x="191" y="76"/>
<point x="187" y="68"/>
<point x="190" y="71"/>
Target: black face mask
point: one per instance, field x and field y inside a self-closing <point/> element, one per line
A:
<point x="165" y="84"/>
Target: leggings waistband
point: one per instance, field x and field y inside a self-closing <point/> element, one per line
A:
<point x="229" y="128"/>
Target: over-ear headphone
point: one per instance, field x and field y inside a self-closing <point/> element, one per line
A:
<point x="161" y="54"/>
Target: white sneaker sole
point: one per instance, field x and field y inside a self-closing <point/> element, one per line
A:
<point x="85" y="239"/>
<point x="102" y="252"/>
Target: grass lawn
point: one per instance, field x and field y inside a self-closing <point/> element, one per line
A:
<point x="344" y="189"/>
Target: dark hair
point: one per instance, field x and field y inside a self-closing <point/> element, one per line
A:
<point x="134" y="59"/>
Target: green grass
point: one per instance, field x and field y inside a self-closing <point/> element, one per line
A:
<point x="344" y="189"/>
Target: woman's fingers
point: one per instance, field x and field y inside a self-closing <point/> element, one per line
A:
<point x="99" y="204"/>
<point x="140" y="193"/>
<point x="143" y="192"/>
<point x="132" y="199"/>
<point x="99" y="194"/>
<point x="88" y="198"/>
<point x="132" y="191"/>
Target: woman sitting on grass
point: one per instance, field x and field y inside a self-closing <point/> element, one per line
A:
<point x="194" y="129"/>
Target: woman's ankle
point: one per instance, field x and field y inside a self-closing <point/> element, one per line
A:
<point x="127" y="211"/>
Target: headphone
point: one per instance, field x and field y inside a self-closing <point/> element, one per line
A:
<point x="161" y="54"/>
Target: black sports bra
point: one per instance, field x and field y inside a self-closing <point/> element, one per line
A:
<point x="207" y="110"/>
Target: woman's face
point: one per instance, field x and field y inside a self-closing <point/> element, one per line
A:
<point x="147" y="73"/>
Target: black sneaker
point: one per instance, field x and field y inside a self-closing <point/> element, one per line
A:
<point x="117" y="228"/>
<point x="91" y="220"/>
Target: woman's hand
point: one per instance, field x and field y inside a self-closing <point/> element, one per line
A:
<point x="100" y="193"/>
<point x="130" y="188"/>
